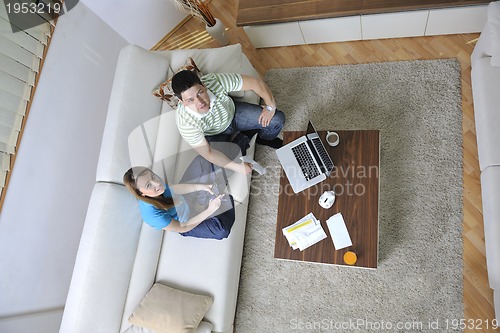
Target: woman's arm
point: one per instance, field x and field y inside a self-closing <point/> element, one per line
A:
<point x="188" y="188"/>
<point x="195" y="220"/>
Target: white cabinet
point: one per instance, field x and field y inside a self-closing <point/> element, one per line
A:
<point x="331" y="30"/>
<point x="415" y="23"/>
<point x="279" y="34"/>
<point x="456" y="20"/>
<point x="393" y="25"/>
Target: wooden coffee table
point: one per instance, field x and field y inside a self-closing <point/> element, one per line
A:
<point x="355" y="179"/>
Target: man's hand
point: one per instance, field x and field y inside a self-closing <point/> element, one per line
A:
<point x="265" y="116"/>
<point x="244" y="168"/>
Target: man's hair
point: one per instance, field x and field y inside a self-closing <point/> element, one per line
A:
<point x="184" y="80"/>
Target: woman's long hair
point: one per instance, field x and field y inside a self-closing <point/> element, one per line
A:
<point x="130" y="181"/>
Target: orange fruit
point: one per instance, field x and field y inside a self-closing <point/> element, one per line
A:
<point x="350" y="258"/>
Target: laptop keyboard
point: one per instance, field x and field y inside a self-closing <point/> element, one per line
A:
<point x="305" y="160"/>
<point x="323" y="154"/>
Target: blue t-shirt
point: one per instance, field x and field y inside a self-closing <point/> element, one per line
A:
<point x="161" y="218"/>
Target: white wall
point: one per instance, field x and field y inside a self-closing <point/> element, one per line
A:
<point x="45" y="206"/>
<point x="140" y="22"/>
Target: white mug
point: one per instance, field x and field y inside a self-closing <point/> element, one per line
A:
<point x="332" y="138"/>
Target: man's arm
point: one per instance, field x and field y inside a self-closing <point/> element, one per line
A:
<point x="218" y="158"/>
<point x="262" y="89"/>
<point x="259" y="87"/>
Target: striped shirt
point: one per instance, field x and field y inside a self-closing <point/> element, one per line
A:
<point x="194" y="126"/>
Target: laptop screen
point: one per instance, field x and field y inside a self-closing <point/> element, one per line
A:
<point x="310" y="129"/>
<point x="318" y="149"/>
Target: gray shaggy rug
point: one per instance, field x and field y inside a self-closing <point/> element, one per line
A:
<point x="417" y="287"/>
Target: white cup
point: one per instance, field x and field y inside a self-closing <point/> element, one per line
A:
<point x="332" y="138"/>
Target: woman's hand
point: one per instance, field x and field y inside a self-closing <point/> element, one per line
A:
<point x="215" y="203"/>
<point x="205" y="187"/>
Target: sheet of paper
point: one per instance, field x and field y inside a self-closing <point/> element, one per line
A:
<point x="338" y="231"/>
<point x="256" y="166"/>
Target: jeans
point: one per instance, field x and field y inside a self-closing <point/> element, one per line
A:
<point x="215" y="227"/>
<point x="218" y="225"/>
<point x="246" y="118"/>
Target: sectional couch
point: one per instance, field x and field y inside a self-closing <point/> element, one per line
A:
<point x="485" y="63"/>
<point x="120" y="257"/>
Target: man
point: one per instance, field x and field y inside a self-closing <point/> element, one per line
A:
<point x="206" y="110"/>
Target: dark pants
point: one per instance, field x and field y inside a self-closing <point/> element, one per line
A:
<point x="217" y="226"/>
<point x="246" y="119"/>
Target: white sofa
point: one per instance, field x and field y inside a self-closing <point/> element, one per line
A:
<point x="120" y="257"/>
<point x="485" y="63"/>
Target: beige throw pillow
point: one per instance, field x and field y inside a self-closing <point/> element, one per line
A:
<point x="167" y="310"/>
<point x="164" y="90"/>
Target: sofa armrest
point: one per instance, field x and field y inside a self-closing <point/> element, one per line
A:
<point x="490" y="178"/>
<point x="488" y="44"/>
<point x="494" y="25"/>
<point x="483" y="46"/>
<point x="496" y="302"/>
<point x="485" y="88"/>
<point x="131" y="104"/>
<point x="247" y="69"/>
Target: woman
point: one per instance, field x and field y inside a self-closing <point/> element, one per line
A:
<point x="165" y="207"/>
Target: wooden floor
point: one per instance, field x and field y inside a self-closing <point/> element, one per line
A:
<point x="478" y="297"/>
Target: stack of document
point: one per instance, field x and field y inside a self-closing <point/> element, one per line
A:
<point x="305" y="232"/>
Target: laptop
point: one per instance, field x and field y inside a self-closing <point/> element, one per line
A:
<point x="305" y="160"/>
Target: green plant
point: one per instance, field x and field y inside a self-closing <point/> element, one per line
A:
<point x="196" y="8"/>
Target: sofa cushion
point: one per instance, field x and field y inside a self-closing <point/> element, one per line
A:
<point x="494" y="27"/>
<point x="485" y="88"/>
<point x="165" y="309"/>
<point x="207" y="265"/>
<point x="130" y="105"/>
<point x="217" y="60"/>
<point x="105" y="261"/>
<point x="168" y="138"/>
<point x="490" y="178"/>
<point x="247" y="69"/>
